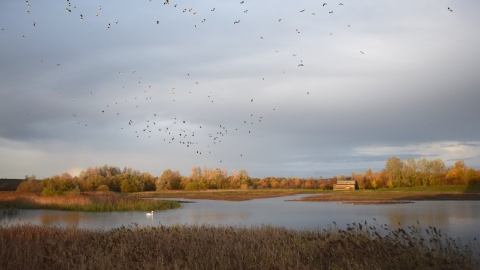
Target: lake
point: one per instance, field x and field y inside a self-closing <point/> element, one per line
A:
<point x="456" y="218"/>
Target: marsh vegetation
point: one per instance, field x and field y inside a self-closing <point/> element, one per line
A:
<point x="85" y="201"/>
<point x="360" y="246"/>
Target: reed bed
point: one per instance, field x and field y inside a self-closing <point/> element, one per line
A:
<point x="360" y="246"/>
<point x="88" y="202"/>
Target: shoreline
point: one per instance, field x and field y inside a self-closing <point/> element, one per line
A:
<point x="364" y="196"/>
<point x="393" y="196"/>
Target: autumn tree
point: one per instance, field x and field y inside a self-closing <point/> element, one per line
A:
<point x="168" y="180"/>
<point x="148" y="181"/>
<point x="456" y="174"/>
<point x="59" y="185"/>
<point x="128" y="185"/>
<point x="394" y="168"/>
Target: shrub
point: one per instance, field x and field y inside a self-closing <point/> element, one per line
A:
<point x="191" y="186"/>
<point x="103" y="188"/>
<point x="128" y="185"/>
<point x="34" y="186"/>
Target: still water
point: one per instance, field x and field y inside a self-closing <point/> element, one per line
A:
<point x="456" y="218"/>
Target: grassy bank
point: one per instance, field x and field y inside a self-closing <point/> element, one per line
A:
<point x="360" y="246"/>
<point x="401" y="194"/>
<point x="88" y="202"/>
<point x="392" y="194"/>
<point x="219" y="194"/>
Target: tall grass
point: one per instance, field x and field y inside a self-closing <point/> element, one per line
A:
<point x="89" y="202"/>
<point x="360" y="246"/>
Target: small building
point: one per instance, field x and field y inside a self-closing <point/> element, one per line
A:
<point x="345" y="185"/>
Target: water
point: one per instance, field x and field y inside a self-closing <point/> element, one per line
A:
<point x="456" y="218"/>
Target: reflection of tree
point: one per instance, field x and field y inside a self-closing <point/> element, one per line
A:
<point x="219" y="217"/>
<point x="8" y="213"/>
<point x="442" y="217"/>
<point x="49" y="218"/>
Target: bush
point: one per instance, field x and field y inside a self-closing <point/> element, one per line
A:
<point x="103" y="188"/>
<point x="34" y="186"/>
<point x="192" y="186"/>
<point x="55" y="187"/>
<point x="128" y="185"/>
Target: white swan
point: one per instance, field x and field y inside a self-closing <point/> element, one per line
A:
<point x="150" y="214"/>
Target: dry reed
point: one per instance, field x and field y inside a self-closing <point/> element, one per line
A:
<point x="360" y="246"/>
<point x="87" y="201"/>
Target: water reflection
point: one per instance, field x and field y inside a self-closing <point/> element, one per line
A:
<point x="456" y="218"/>
<point x="70" y="219"/>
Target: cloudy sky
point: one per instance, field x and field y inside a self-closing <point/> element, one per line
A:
<point x="295" y="88"/>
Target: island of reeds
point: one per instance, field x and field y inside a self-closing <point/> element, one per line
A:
<point x="105" y="201"/>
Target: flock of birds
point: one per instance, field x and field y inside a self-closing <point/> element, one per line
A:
<point x="177" y="130"/>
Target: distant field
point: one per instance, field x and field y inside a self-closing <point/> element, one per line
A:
<point x="10" y="184"/>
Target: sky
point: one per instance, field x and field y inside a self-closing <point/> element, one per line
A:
<point x="278" y="88"/>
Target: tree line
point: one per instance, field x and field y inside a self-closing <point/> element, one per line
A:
<point x="397" y="173"/>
